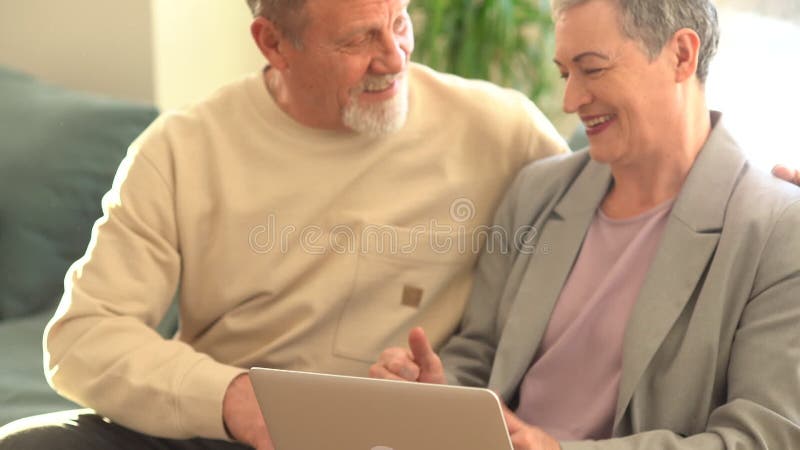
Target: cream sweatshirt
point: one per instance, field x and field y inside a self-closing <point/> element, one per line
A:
<point x="293" y="247"/>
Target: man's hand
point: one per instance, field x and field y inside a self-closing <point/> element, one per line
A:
<point x="785" y="173"/>
<point x="419" y="363"/>
<point x="242" y="416"/>
<point x="528" y="437"/>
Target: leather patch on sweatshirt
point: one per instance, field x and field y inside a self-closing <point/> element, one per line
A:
<point x="412" y="296"/>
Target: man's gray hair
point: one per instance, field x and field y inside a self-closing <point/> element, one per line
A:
<point x="653" y="22"/>
<point x="287" y="15"/>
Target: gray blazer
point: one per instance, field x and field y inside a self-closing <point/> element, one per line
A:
<point x="711" y="355"/>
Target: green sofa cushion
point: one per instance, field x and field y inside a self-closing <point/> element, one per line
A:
<point x="59" y="150"/>
<point x="23" y="388"/>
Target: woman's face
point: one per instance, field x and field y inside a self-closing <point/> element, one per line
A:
<point x="626" y="101"/>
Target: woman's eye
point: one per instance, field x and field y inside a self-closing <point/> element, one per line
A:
<point x="564" y="75"/>
<point x="594" y="71"/>
<point x="400" y="24"/>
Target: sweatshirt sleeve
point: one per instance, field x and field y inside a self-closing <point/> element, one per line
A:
<point x="101" y="349"/>
<point x="544" y="139"/>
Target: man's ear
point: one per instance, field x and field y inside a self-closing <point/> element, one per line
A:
<point x="270" y="41"/>
<point x="685" y="47"/>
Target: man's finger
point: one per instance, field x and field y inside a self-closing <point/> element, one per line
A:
<point x="786" y="173"/>
<point x="422" y="350"/>
<point x="404" y="368"/>
<point x="430" y="366"/>
<point x="379" y="371"/>
<point x="398" y="361"/>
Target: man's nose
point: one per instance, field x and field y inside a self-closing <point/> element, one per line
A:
<point x="391" y="57"/>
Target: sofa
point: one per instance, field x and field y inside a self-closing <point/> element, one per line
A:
<point x="59" y="151"/>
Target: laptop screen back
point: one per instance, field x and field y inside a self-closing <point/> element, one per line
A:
<point x="307" y="411"/>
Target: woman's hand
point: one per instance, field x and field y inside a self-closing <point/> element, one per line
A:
<point x="528" y="437"/>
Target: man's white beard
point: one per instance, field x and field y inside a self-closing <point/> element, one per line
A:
<point x="378" y="118"/>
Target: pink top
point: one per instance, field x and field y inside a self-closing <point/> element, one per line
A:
<point x="571" y="389"/>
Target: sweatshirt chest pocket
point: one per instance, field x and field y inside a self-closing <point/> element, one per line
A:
<point x="397" y="287"/>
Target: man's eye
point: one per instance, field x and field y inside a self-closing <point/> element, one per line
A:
<point x="357" y="41"/>
<point x="595" y="71"/>
<point x="564" y="75"/>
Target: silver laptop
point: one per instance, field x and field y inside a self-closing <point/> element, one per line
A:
<point x="308" y="411"/>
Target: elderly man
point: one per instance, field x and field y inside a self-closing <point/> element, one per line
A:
<point x="664" y="313"/>
<point x="311" y="214"/>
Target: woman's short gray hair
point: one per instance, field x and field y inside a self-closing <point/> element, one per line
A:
<point x="653" y="22"/>
<point x="287" y="15"/>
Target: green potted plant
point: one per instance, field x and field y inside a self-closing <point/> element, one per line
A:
<point x="508" y="42"/>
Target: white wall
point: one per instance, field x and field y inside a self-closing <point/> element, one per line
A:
<point x="199" y="45"/>
<point x="753" y="81"/>
<point x="92" y="45"/>
<point x="168" y="52"/>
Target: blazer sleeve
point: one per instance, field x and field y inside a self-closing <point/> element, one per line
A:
<point x="763" y="404"/>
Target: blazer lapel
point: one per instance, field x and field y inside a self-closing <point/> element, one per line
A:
<point x="687" y="247"/>
<point x="560" y="240"/>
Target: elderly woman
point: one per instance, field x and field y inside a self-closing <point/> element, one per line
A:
<point x="656" y="303"/>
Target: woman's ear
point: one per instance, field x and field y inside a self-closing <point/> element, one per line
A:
<point x="685" y="46"/>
